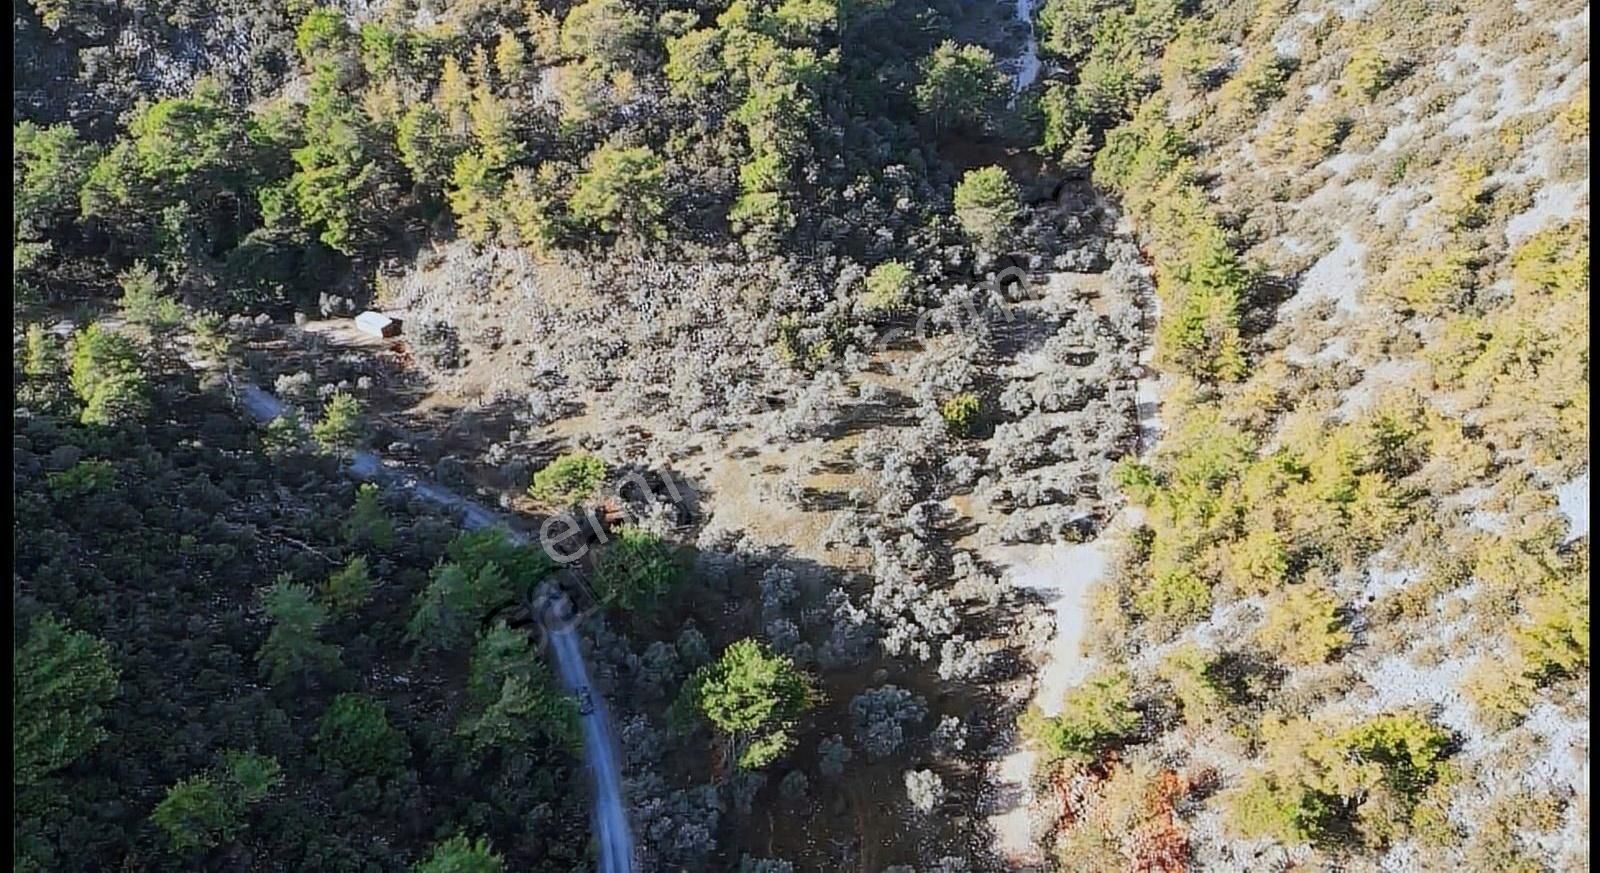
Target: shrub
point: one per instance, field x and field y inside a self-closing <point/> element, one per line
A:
<point x="1554" y="640"/>
<point x="1173" y="600"/>
<point x="1094" y="716"/>
<point x="1319" y="776"/>
<point x="202" y="811"/>
<point x="1572" y="125"/>
<point x="1192" y="673"/>
<point x="448" y="612"/>
<point x="1303" y="626"/>
<point x="62" y="681"/>
<point x="1367" y="73"/>
<point x="368" y="525"/>
<point x="622" y="191"/>
<point x="607" y="32"/>
<point x="144" y="301"/>
<point x="1264" y="807"/>
<point x="1462" y="195"/>
<point x="888" y="286"/>
<point x="1319" y="132"/>
<point x="880" y="717"/>
<point x="694" y="62"/>
<point x="1501" y="691"/>
<point x="339" y="430"/>
<point x="924" y="789"/>
<point x="195" y="814"/>
<point x="987" y="204"/>
<point x="568" y="479"/>
<point x="349" y="588"/>
<point x="354" y="734"/>
<point x="88" y="476"/>
<point x="961" y="86"/>
<point x="1258" y="82"/>
<point x="752" y="695"/>
<point x="293" y="647"/>
<point x="1258" y="563"/>
<point x="461" y="855"/>
<point x="960" y="413"/>
<point x="636" y="570"/>
<point x="108" y="376"/>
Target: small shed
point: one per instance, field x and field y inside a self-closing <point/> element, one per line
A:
<point x="378" y="324"/>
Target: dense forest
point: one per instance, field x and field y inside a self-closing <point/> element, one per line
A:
<point x="1085" y="434"/>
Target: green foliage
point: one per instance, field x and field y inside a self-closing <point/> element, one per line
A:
<point x="1462" y="195"/>
<point x="284" y="435"/>
<point x="1428" y="282"/>
<point x="293" y="648"/>
<point x="1303" y="626"/>
<point x="1199" y="278"/>
<point x="987" y="204"/>
<point x="960" y="413"/>
<point x="460" y="855"/>
<point x="1288" y="812"/>
<point x="694" y="62"/>
<point x="88" y="476"/>
<point x="1501" y="691"/>
<point x="196" y="814"/>
<point x="568" y="479"/>
<point x="339" y="430"/>
<point x="1572" y="125"/>
<point x="339" y="183"/>
<point x="1094" y="716"/>
<point x="1193" y="674"/>
<point x="354" y="735"/>
<point x="753" y="696"/>
<point x="449" y="610"/>
<point x="1068" y="136"/>
<point x="48" y="167"/>
<point x="62" y="680"/>
<point x="426" y="145"/>
<point x="1111" y="46"/>
<point x="1554" y="640"/>
<point x="208" y="809"/>
<point x="636" y="569"/>
<point x="1257" y="82"/>
<point x="145" y="301"/>
<point x="1259" y="563"/>
<point x="1368" y="72"/>
<point x="888" y="286"/>
<point x="622" y="191"/>
<point x="517" y="694"/>
<point x="607" y="32"/>
<point x="1321" y="778"/>
<point x="485" y="572"/>
<point x="182" y="182"/>
<point x="41" y="354"/>
<point x="348" y="589"/>
<point x="108" y="376"/>
<point x="383" y="48"/>
<point x="961" y="86"/>
<point x="1173" y="600"/>
<point x="780" y="107"/>
<point x="322" y="31"/>
<point x="526" y="707"/>
<point x="253" y="776"/>
<point x="161" y="568"/>
<point x="479" y="176"/>
<point x="510" y="57"/>
<point x="368" y="524"/>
